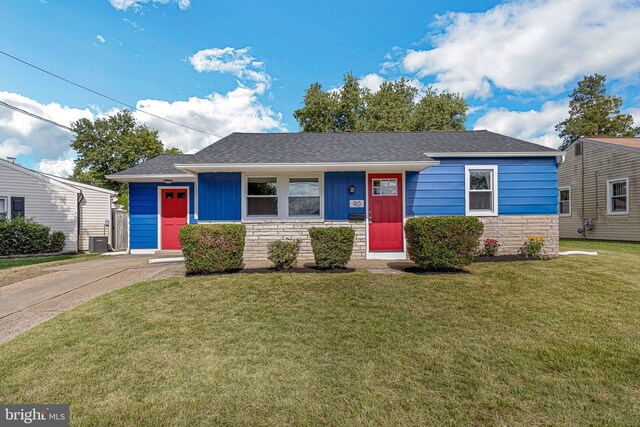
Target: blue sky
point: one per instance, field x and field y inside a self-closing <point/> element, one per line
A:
<point x="244" y="65"/>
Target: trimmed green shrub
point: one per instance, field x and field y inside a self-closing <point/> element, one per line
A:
<point x="56" y="242"/>
<point x="212" y="248"/>
<point x="284" y="254"/>
<point x="332" y="246"/>
<point x="23" y="236"/>
<point x="445" y="242"/>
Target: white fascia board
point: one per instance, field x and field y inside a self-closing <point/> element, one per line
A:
<point x="152" y="177"/>
<point x="80" y="184"/>
<point x="39" y="175"/>
<point x="500" y="154"/>
<point x="306" y="167"/>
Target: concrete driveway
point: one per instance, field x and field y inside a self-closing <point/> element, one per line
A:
<point x="30" y="302"/>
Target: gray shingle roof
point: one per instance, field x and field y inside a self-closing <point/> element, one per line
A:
<point x="354" y="146"/>
<point x="375" y="147"/>
<point x="163" y="164"/>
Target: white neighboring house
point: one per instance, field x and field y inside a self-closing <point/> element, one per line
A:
<point x="78" y="210"/>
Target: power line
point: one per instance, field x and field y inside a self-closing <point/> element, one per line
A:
<point x="106" y="96"/>
<point x="35" y="116"/>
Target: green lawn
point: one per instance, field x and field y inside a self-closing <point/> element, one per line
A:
<point x="526" y="343"/>
<point x="19" y="262"/>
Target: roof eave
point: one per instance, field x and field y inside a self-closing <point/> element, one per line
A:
<point x="498" y="154"/>
<point x="306" y="167"/>
<point x="157" y="177"/>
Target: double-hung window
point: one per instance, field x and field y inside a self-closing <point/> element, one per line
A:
<point x="262" y="197"/>
<point x="564" y="201"/>
<point x="304" y="197"/>
<point x="4" y="208"/>
<point x="618" y="196"/>
<point x="283" y="196"/>
<point x="481" y="190"/>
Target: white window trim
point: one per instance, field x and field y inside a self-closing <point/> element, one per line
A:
<point x="282" y="180"/>
<point x="7" y="205"/>
<point x="494" y="187"/>
<point x="610" y="183"/>
<point x="563" y="189"/>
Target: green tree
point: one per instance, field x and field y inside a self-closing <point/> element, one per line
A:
<point x="594" y="113"/>
<point x="318" y="113"/>
<point x="109" y="145"/>
<point x="391" y="107"/>
<point x="439" y="111"/>
<point x="173" y="150"/>
<point x="396" y="106"/>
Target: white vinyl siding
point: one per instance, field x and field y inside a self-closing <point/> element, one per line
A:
<point x="45" y="202"/>
<point x="95" y="212"/>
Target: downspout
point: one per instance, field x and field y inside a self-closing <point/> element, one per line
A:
<point x="597" y="199"/>
<point x="79" y="210"/>
<point x="584" y="226"/>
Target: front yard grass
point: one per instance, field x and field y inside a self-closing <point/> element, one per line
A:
<point x="527" y="343"/>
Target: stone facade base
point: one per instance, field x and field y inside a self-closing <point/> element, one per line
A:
<point x="512" y="232"/>
<point x="260" y="233"/>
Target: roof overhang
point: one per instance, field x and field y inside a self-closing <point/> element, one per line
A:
<point x="307" y="167"/>
<point x="549" y="153"/>
<point x="152" y="178"/>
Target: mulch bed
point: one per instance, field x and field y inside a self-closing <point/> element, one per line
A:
<point x="505" y="258"/>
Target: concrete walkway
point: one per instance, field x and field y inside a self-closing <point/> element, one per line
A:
<point x="30" y="302"/>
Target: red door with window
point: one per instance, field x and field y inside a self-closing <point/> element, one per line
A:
<point x="174" y="216"/>
<point x="385" y="212"/>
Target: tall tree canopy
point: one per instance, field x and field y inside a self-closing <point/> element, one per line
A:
<point x="594" y="113"/>
<point x="112" y="144"/>
<point x="396" y="106"/>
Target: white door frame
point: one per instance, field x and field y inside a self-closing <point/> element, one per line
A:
<point x="386" y="255"/>
<point x="169" y="187"/>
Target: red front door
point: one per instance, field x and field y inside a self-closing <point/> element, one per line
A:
<point x="174" y="216"/>
<point x="385" y="212"/>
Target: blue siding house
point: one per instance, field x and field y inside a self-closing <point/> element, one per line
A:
<point x="281" y="184"/>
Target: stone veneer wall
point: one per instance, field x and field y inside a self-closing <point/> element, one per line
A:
<point x="260" y="233"/>
<point x="512" y="231"/>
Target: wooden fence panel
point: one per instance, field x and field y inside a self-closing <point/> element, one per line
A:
<point x="120" y="236"/>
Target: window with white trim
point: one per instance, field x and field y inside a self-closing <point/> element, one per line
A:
<point x="564" y="201"/>
<point x="283" y="196"/>
<point x="262" y="196"/>
<point x="618" y="196"/>
<point x="4" y="207"/>
<point x="481" y="195"/>
<point x="304" y="197"/>
<point x="385" y="187"/>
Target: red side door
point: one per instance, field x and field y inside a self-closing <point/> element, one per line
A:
<point x="385" y="212"/>
<point x="174" y="216"/>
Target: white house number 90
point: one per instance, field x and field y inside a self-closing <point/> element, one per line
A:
<point x="356" y="203"/>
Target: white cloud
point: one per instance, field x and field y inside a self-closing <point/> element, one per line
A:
<point x="137" y="4"/>
<point x="61" y="167"/>
<point x="236" y="111"/>
<point x="236" y="62"/>
<point x="535" y="126"/>
<point x="372" y="81"/>
<point x="528" y="45"/>
<point x="100" y="38"/>
<point x="24" y="135"/>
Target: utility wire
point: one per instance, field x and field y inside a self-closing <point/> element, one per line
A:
<point x="35" y="116"/>
<point x="106" y="96"/>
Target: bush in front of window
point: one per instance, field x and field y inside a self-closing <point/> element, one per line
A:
<point x="332" y="247"/>
<point x="24" y="236"/>
<point x="534" y="246"/>
<point x="284" y="254"/>
<point x="443" y="243"/>
<point x="213" y="248"/>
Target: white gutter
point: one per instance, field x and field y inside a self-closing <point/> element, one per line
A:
<point x="503" y="154"/>
<point x="329" y="166"/>
<point x="150" y="177"/>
